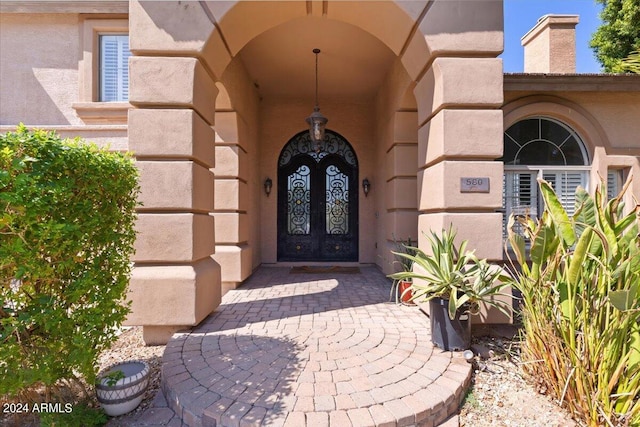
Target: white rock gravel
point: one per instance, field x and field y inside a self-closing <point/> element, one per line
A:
<point x="499" y="395"/>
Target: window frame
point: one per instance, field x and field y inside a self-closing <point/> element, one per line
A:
<point x="541" y="170"/>
<point x="572" y="133"/>
<point x="88" y="107"/>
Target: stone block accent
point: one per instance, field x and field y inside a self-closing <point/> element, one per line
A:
<point x="452" y="134"/>
<point x="231" y="227"/>
<point x="439" y="35"/>
<point x="481" y="19"/>
<point x="175" y="185"/>
<point x="401" y="160"/>
<point x="439" y="186"/>
<point x="235" y="261"/>
<point x="231" y="160"/>
<point x="402" y="224"/>
<point x="483" y="230"/>
<point x="173" y="134"/>
<point x="227" y="127"/>
<point x="231" y="194"/>
<point x="491" y="315"/>
<point x="171" y="81"/>
<point x="401" y="193"/>
<point x="159" y="335"/>
<point x="459" y="82"/>
<point x="199" y="38"/>
<point x="185" y="237"/>
<point x="405" y="125"/>
<point x="184" y="294"/>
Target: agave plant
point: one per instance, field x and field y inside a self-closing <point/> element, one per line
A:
<point x="454" y="274"/>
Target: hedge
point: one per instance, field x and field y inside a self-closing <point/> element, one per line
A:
<point x="67" y="212"/>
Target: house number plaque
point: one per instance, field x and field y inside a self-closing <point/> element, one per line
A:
<point x="474" y="185"/>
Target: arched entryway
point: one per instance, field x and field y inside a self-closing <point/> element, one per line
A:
<point x="192" y="242"/>
<point x="318" y="200"/>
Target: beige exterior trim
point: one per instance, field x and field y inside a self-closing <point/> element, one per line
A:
<point x="572" y="82"/>
<point x="89" y="109"/>
<point x="64" y="6"/>
<point x="114" y="113"/>
<point x="89" y="64"/>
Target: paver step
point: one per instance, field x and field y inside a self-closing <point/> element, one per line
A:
<point x="296" y="350"/>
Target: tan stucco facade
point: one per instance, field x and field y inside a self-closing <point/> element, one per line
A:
<point x="416" y="89"/>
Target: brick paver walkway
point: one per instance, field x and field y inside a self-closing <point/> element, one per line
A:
<point x="309" y="349"/>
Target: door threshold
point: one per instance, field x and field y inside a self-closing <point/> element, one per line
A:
<point x="318" y="264"/>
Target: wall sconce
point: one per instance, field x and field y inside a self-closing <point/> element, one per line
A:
<point x="366" y="186"/>
<point x="267" y="186"/>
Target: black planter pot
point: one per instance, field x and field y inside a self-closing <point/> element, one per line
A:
<point x="447" y="334"/>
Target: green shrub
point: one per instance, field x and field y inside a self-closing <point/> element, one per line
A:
<point x="81" y="415"/>
<point x="581" y="306"/>
<point x="67" y="213"/>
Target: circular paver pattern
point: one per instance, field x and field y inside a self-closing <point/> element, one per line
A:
<point x="309" y="349"/>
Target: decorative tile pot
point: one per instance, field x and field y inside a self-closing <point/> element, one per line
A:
<point x="126" y="393"/>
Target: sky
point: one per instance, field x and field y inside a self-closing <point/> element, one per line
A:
<point x="521" y="15"/>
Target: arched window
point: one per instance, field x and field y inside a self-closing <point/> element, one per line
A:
<point x="541" y="147"/>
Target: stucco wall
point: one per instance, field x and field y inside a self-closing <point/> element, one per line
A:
<point x="280" y="120"/>
<point x="39" y="79"/>
<point x="39" y="73"/>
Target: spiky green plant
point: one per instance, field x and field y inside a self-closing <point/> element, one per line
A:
<point x="581" y="305"/>
<point x="454" y="274"/>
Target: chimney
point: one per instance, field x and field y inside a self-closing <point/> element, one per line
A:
<point x="550" y="46"/>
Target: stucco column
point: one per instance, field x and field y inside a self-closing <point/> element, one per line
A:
<point x="175" y="281"/>
<point x="459" y="137"/>
<point x="401" y="170"/>
<point x="459" y="94"/>
<point x="232" y="202"/>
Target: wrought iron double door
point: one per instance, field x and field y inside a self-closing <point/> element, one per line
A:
<point x="318" y="209"/>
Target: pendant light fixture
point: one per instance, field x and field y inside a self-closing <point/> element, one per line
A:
<point x="316" y="120"/>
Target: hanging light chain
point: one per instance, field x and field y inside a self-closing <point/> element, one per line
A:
<point x="316" y="120"/>
<point x="316" y="51"/>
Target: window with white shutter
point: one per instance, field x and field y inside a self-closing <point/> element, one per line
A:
<point x="541" y="148"/>
<point x="114" y="67"/>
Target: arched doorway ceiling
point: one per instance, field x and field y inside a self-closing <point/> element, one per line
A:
<point x="239" y="27"/>
<point x="241" y="21"/>
<point x="415" y="31"/>
<point x="352" y="64"/>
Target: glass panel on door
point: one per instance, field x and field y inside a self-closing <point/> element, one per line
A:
<point x="299" y="201"/>
<point x="337" y="201"/>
